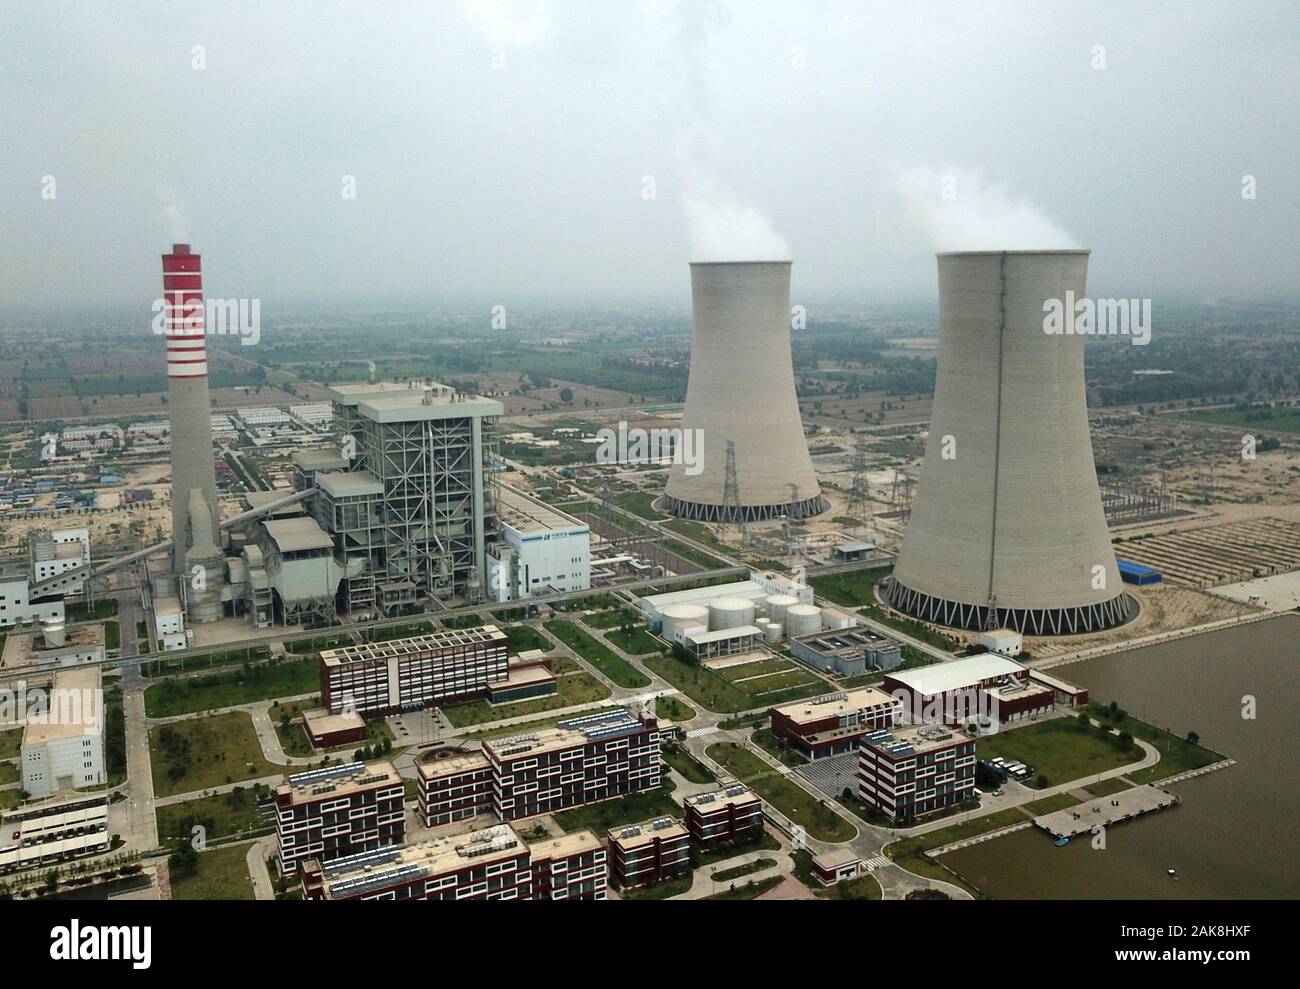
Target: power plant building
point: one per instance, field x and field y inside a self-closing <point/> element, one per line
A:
<point x="1007" y="529"/>
<point x="740" y="399"/>
<point x="541" y="550"/>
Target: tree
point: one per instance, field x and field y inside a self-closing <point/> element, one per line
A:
<point x="1194" y="738"/>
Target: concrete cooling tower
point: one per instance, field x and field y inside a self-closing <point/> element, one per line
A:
<point x="195" y="522"/>
<point x="741" y="393"/>
<point x="1007" y="528"/>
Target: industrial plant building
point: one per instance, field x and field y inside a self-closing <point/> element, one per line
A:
<point x="907" y="772"/>
<point x="338" y="811"/>
<point x="833" y="723"/>
<point x="987" y="689"/>
<point x="741" y="403"/>
<point x="1007" y="529"/>
<point x="541" y="550"/>
<point x="64" y="748"/>
<point x="847" y="652"/>
<point x="492" y="864"/>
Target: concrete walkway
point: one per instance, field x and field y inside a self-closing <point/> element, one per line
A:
<point x="258" y="852"/>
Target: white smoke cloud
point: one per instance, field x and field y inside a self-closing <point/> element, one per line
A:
<point x="514" y="23"/>
<point x="964" y="211"/>
<point x="722" y="225"/>
<point x="173" y="209"/>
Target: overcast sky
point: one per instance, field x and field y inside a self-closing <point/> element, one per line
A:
<point x="587" y="151"/>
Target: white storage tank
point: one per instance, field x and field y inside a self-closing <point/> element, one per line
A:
<point x="778" y="605"/>
<point x="675" y="616"/>
<point x="802" y="619"/>
<point x="730" y="612"/>
<point x="772" y="633"/>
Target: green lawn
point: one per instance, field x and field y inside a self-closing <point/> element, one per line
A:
<point x="674" y="709"/>
<point x="316" y="644"/>
<point x="79" y="612"/>
<point x="525" y="637"/>
<point x="264" y="681"/>
<point x="620" y="671"/>
<point x="611" y="619"/>
<point x="9" y="798"/>
<point x="1177" y="755"/>
<point x="576" y="688"/>
<point x="635" y="642"/>
<point x="222" y="875"/>
<point x="736" y="871"/>
<point x="632" y="808"/>
<point x="206" y="752"/>
<point x="112" y="635"/>
<point x="672" y="886"/>
<point x="686" y="764"/>
<point x="9" y="772"/>
<point x="750" y="890"/>
<point x="1058" y="749"/>
<point x="534" y="725"/>
<point x="852" y="588"/>
<point x="203" y="661"/>
<point x="776" y="748"/>
<point x="1049" y="805"/>
<point x="796" y="803"/>
<point x="1283" y="420"/>
<point x="292" y="736"/>
<point x="1108" y="787"/>
<point x="703" y="686"/>
<point x="11" y="743"/>
<point x="223" y="816"/>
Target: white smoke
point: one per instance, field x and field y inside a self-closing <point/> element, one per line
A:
<point x="964" y="211"/>
<point x="173" y="208"/>
<point x="721" y="224"/>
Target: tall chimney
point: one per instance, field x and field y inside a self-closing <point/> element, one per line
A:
<point x="188" y="404"/>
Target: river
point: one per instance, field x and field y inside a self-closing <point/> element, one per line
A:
<point x="1237" y="830"/>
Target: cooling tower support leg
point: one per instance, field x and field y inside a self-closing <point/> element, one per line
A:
<point x="700" y="512"/>
<point x="1028" y="621"/>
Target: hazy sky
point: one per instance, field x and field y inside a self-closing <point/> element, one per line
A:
<point x="507" y="150"/>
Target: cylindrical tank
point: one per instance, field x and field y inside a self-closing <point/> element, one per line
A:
<point x="730" y="612"/>
<point x="772" y="633"/>
<point x="778" y="605"/>
<point x="677" y="615"/>
<point x="55" y="634"/>
<point x="803" y="619"/>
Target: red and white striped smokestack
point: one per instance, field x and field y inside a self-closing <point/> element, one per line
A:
<point x="187" y="353"/>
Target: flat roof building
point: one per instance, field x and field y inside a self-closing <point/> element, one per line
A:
<point x="833" y="723"/>
<point x="415" y="672"/>
<point x="846" y="652"/>
<point x="541" y="550"/>
<point x="907" y="772"/>
<point x="951" y="692"/>
<point x="64" y="749"/>
<point x="649" y="852"/>
<point x="732" y="815"/>
<point x="338" y="811"/>
<point x="49" y="833"/>
<point x="491" y="864"/>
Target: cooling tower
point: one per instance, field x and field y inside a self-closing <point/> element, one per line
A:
<point x="741" y="391"/>
<point x="194" y="484"/>
<point x="1008" y="513"/>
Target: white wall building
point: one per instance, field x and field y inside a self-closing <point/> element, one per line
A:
<point x="63" y="748"/>
<point x="169" y="624"/>
<point x="541" y="550"/>
<point x="16" y="606"/>
<point x="1005" y="641"/>
<point x="54" y="553"/>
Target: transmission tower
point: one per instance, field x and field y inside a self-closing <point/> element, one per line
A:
<point x="731" y="510"/>
<point x="859" y="507"/>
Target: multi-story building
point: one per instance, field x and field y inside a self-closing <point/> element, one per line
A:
<point x="576" y="762"/>
<point x="338" y="811"/>
<point x="649" y="852"/>
<point x="455" y="788"/>
<point x="53" y="554"/>
<point x="52" y="832"/>
<point x="833" y="723"/>
<point x="492" y="864"/>
<point x="384" y="677"/>
<point x="24" y="600"/>
<point x="911" y="771"/>
<point x="541" y="550"/>
<point x="63" y="748"/>
<point x="987" y="687"/>
<point x="733" y="815"/>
